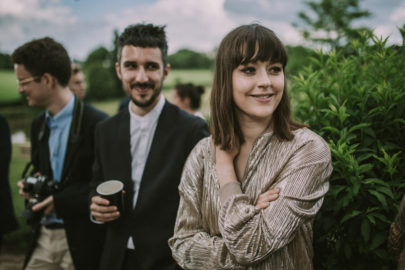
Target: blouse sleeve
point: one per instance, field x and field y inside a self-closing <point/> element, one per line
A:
<point x="252" y="236"/>
<point x="192" y="247"/>
<point x="397" y="231"/>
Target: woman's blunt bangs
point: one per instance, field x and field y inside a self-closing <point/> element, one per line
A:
<point x="252" y="43"/>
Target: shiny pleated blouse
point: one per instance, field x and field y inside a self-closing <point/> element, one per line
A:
<point x="219" y="228"/>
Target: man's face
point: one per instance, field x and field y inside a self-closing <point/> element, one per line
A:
<point x="77" y="85"/>
<point x="34" y="88"/>
<point x="142" y="72"/>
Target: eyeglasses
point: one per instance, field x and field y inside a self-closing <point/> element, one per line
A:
<point x="24" y="82"/>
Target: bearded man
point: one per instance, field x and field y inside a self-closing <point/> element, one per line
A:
<point x="145" y="147"/>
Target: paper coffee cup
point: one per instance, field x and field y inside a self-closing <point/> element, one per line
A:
<point x="112" y="191"/>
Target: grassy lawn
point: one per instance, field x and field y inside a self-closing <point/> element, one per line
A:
<point x="200" y="77"/>
<point x="8" y="90"/>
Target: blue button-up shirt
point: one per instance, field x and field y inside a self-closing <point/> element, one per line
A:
<point x="59" y="130"/>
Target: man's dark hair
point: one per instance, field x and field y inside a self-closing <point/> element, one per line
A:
<point x="144" y="35"/>
<point x="44" y="55"/>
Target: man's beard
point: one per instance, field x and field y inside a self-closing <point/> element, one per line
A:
<point x="151" y="100"/>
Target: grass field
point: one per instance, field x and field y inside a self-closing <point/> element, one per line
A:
<point x="200" y="77"/>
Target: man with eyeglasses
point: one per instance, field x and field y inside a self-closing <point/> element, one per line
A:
<point x="62" y="150"/>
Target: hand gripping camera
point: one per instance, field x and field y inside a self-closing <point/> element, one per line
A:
<point x="39" y="188"/>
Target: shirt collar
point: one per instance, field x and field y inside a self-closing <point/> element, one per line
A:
<point x="151" y="116"/>
<point x="63" y="115"/>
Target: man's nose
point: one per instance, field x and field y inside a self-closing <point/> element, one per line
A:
<point x="141" y="75"/>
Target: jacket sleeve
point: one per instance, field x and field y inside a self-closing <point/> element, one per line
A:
<point x="252" y="235"/>
<point x="192" y="246"/>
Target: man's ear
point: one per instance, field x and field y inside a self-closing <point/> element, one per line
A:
<point x="49" y="80"/>
<point x="118" y="70"/>
<point x="166" y="71"/>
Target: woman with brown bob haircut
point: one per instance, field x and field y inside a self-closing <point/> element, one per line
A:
<point x="250" y="192"/>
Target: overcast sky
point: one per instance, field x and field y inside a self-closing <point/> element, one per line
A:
<point x="83" y="25"/>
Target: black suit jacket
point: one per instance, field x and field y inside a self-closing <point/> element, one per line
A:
<point x="84" y="238"/>
<point x="151" y="223"/>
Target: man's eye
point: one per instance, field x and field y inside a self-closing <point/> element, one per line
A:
<point x="130" y="65"/>
<point x="152" y="67"/>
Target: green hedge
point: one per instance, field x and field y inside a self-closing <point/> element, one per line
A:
<point x="356" y="103"/>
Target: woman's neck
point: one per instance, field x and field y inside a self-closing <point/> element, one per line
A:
<point x="253" y="129"/>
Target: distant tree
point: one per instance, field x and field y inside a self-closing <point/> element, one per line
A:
<point x="332" y="23"/>
<point x="101" y="82"/>
<point x="100" y="55"/>
<point x="402" y="31"/>
<point x="5" y="61"/>
<point x="100" y="73"/>
<point x="114" y="59"/>
<point x="189" y="59"/>
<point x="298" y="58"/>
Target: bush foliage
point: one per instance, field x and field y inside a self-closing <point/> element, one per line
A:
<point x="356" y="103"/>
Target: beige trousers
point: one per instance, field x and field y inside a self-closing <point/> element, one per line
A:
<point x="51" y="252"/>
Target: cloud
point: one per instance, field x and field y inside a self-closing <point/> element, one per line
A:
<point x="398" y="16"/>
<point x="82" y="26"/>
<point x="23" y="20"/>
<point x="192" y="23"/>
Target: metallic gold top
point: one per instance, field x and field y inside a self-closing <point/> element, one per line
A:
<point x="220" y="228"/>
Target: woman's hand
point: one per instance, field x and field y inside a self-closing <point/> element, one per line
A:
<point x="224" y="165"/>
<point x="266" y="197"/>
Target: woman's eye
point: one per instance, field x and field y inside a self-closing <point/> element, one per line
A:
<point x="275" y="69"/>
<point x="248" y="70"/>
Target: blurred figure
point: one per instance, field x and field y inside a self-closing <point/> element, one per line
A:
<point x="188" y="97"/>
<point x="397" y="236"/>
<point x="8" y="220"/>
<point x="77" y="82"/>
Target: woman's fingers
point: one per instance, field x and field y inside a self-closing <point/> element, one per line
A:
<point x="266" y="197"/>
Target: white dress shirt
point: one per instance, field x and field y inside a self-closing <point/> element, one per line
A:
<point x="142" y="130"/>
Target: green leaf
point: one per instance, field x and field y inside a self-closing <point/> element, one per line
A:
<point x="378" y="239"/>
<point x="349" y="216"/>
<point x="379" y="197"/>
<point x="359" y="126"/>
<point x="365" y="230"/>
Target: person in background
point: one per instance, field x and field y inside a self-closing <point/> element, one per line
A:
<point x="145" y="146"/>
<point x="77" y="83"/>
<point x="8" y="220"/>
<point x="187" y="96"/>
<point x="396" y="238"/>
<point x="62" y="150"/>
<point x="229" y="215"/>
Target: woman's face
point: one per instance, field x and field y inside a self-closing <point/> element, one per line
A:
<point x="257" y="89"/>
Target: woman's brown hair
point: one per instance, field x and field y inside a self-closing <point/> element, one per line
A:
<point x="245" y="44"/>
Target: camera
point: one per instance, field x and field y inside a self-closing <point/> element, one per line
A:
<point x="39" y="188"/>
